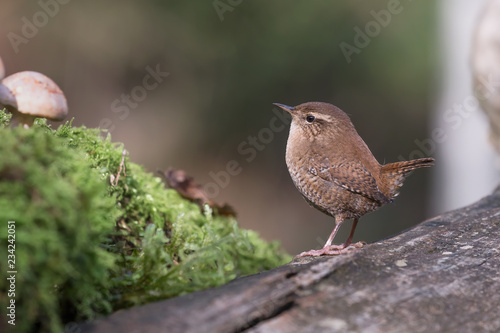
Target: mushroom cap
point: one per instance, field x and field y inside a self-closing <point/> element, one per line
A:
<point x="34" y="94"/>
<point x="2" y="69"/>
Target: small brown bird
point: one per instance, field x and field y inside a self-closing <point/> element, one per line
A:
<point x="336" y="172"/>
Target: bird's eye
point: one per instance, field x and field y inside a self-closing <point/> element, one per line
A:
<point x="310" y="118"/>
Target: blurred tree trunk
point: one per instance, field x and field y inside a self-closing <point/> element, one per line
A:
<point x="440" y="276"/>
<point x="485" y="63"/>
<point x="458" y="116"/>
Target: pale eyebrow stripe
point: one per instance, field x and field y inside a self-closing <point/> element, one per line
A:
<point x="322" y="116"/>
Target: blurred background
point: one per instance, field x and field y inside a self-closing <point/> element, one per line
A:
<point x="191" y="85"/>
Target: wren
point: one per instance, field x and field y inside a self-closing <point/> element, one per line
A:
<point x="335" y="171"/>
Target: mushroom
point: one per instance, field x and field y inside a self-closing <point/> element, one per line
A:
<point x="29" y="95"/>
<point x="2" y="69"/>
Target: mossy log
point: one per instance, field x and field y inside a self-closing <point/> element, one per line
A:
<point x="440" y="276"/>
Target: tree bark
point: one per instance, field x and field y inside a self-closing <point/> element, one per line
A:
<point x="440" y="276"/>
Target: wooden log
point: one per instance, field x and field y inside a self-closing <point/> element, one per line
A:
<point x="443" y="275"/>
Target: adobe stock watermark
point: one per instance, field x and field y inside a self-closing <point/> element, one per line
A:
<point x="30" y="27"/>
<point x="373" y="28"/>
<point x="455" y="117"/>
<point x="247" y="149"/>
<point x="11" y="269"/>
<point x="223" y="6"/>
<point x="127" y="102"/>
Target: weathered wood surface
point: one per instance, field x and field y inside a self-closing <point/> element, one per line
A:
<point x="441" y="276"/>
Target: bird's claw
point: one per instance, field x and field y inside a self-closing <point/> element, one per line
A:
<point x="331" y="250"/>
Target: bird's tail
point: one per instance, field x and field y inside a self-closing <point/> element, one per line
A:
<point x="395" y="173"/>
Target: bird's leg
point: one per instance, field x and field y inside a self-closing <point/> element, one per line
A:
<point x="332" y="235"/>
<point x="326" y="248"/>
<point x="348" y="243"/>
<point x="330" y="249"/>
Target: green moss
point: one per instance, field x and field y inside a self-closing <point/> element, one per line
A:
<point x="62" y="212"/>
<point x="85" y="248"/>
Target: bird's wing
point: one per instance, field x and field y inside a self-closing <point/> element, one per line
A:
<point x="351" y="176"/>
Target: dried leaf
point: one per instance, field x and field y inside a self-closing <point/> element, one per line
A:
<point x="188" y="189"/>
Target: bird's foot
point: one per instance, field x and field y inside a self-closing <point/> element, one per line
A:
<point x="331" y="250"/>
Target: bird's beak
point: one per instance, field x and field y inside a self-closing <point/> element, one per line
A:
<point x="287" y="108"/>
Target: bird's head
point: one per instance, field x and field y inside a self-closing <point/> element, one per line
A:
<point x="314" y="119"/>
